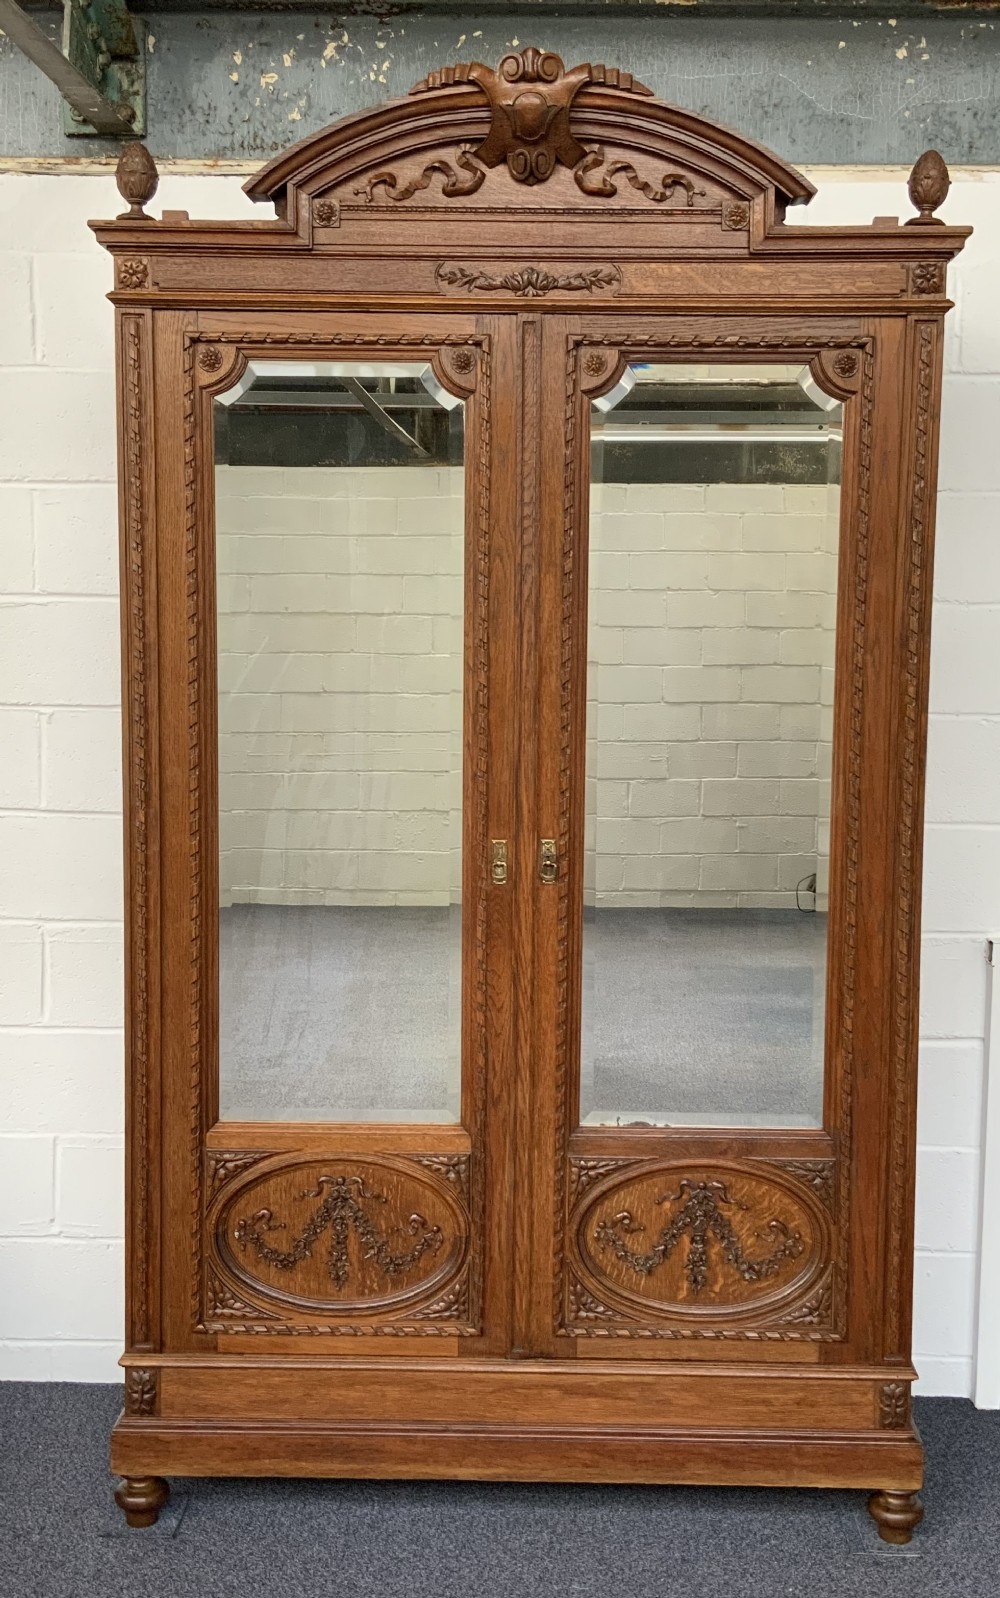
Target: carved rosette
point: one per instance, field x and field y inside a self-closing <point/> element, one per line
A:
<point x="838" y="371"/>
<point x="355" y="1244"/>
<point x="457" y="368"/>
<point x="326" y="212"/>
<point x="928" y="277"/>
<point x="718" y="1249"/>
<point x="133" y="273"/>
<point x="736" y="216"/>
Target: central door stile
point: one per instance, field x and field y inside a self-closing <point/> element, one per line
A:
<point x="552" y="585"/>
<point x="494" y="584"/>
<point x="527" y="632"/>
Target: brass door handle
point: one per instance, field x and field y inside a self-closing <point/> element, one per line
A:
<point x="498" y="860"/>
<point x="548" y="860"/>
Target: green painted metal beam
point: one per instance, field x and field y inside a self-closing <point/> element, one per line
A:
<point x="100" y="70"/>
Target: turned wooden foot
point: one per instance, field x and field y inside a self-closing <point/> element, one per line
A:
<point x="141" y="1498"/>
<point x="895" y="1515"/>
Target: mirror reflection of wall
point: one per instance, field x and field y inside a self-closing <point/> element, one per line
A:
<point x="713" y="567"/>
<point x="339" y="520"/>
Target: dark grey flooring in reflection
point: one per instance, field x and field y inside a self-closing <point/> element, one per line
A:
<point x="703" y="1015"/>
<point x="339" y="1013"/>
<point x="354" y="1014"/>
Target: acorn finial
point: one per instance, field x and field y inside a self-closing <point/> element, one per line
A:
<point x="137" y="180"/>
<point x="929" y="184"/>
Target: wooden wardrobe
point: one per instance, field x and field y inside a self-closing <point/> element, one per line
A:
<point x="522" y="948"/>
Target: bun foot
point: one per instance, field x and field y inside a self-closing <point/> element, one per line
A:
<point x="141" y="1498"/>
<point x="896" y="1515"/>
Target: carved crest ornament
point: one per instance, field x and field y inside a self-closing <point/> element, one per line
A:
<point x="530" y="96"/>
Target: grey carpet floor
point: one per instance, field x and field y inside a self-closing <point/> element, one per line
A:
<point x="710" y="1016"/>
<point x="61" y="1536"/>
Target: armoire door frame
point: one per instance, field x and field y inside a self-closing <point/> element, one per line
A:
<point x="856" y="1305"/>
<point x="195" y="1162"/>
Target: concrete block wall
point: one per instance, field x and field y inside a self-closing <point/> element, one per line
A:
<point x="340" y="674"/>
<point x="60" y="878"/>
<point x="711" y="647"/>
<point x="712" y="610"/>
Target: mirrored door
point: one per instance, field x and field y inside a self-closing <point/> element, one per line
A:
<point x="686" y="1033"/>
<point x="362" y="610"/>
<point x="340" y="514"/>
<point x="713" y="538"/>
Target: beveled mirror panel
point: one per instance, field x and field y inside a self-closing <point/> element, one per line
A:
<point x="339" y="515"/>
<point x="714" y="532"/>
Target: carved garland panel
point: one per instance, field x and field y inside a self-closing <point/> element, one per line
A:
<point x="454" y="1309"/>
<point x="686" y="1249"/>
<point x="351" y="1245"/>
<point x="819" y="1309"/>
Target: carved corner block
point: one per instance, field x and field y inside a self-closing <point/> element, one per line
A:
<point x="132" y="272"/>
<point x="928" y="277"/>
<point x="141" y="1391"/>
<point x="893" y="1400"/>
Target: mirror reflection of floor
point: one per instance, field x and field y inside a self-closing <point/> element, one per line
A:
<point x="703" y="1017"/>
<point x="339" y="1013"/>
<point x="353" y="1013"/>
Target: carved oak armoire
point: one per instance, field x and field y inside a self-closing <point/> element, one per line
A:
<point x="526" y="577"/>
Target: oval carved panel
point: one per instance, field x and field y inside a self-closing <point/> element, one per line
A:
<point x="700" y="1241"/>
<point x="353" y="1234"/>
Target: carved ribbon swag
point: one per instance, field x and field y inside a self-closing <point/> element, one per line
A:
<point x="701" y="1219"/>
<point x="341" y="1212"/>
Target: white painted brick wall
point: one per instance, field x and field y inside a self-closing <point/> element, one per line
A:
<point x="309" y="556"/>
<point x="60" y="883"/>
<point x="701" y="714"/>
<point x="340" y="639"/>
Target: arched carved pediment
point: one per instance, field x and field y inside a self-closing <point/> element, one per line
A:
<point x="530" y="134"/>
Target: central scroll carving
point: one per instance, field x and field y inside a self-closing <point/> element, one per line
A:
<point x="701" y="1219"/>
<point x="344" y="1209"/>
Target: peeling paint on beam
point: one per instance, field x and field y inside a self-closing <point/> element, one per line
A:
<point x="241" y="86"/>
<point x="541" y="9"/>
